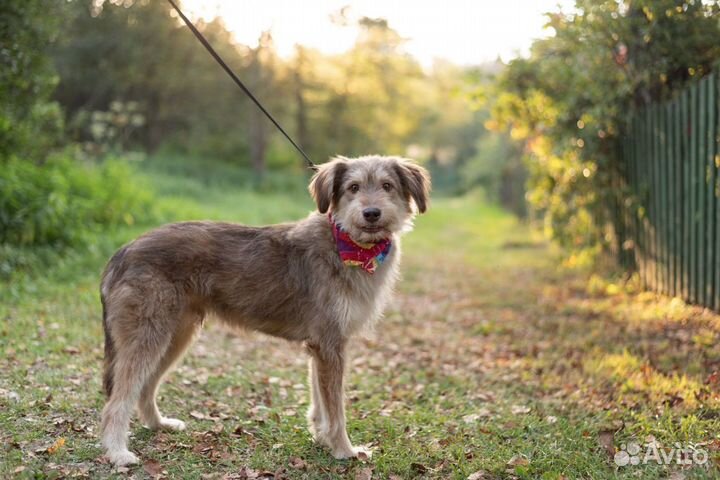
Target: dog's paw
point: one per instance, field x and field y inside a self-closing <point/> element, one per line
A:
<point x="122" y="458"/>
<point x="171" y="424"/>
<point x="353" y="452"/>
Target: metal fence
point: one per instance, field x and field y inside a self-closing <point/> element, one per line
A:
<point x="672" y="213"/>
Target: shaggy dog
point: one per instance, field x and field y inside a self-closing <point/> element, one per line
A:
<point x="316" y="281"/>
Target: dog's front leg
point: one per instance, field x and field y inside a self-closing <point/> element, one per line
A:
<point x="327" y="410"/>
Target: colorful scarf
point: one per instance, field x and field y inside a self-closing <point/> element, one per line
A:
<point x="367" y="256"/>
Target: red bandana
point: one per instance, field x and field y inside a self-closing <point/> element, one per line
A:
<point x="367" y="256"/>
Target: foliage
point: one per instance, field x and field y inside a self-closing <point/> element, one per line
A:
<point x="57" y="204"/>
<point x="374" y="98"/>
<point x="568" y="102"/>
<point x="29" y="123"/>
<point x="498" y="170"/>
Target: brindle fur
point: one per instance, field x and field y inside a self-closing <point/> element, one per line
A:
<point x="284" y="280"/>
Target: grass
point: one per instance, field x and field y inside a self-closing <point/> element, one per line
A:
<point x="492" y="361"/>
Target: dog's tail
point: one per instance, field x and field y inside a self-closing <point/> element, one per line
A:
<point x="109" y="361"/>
<point x="113" y="270"/>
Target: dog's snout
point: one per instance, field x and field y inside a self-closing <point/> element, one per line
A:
<point x="372" y="214"/>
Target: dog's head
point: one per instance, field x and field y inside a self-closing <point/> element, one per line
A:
<point x="371" y="197"/>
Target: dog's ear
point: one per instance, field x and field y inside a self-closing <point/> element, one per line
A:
<point x="415" y="182"/>
<point x="326" y="185"/>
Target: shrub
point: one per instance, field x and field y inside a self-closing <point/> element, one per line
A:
<point x="59" y="202"/>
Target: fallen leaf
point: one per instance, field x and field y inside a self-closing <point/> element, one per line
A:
<point x="418" y="468"/>
<point x="197" y="415"/>
<point x="297" y="463"/>
<point x="606" y="438"/>
<point x="518" y="409"/>
<point x="551" y="419"/>
<point x="56" y="446"/>
<point x="364" y="474"/>
<point x="474" y="417"/>
<point x="9" y="395"/>
<point x="362" y="456"/>
<point x="518" y="461"/>
<point x="479" y="475"/>
<point x="152" y="468"/>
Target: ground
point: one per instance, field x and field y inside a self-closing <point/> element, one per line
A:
<point x="493" y="361"/>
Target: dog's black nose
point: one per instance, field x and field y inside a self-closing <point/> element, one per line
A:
<point x="371" y="214"/>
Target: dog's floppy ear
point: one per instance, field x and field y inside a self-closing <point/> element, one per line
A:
<point x="325" y="186"/>
<point x="415" y="182"/>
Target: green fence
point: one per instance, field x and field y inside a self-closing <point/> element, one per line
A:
<point x="672" y="215"/>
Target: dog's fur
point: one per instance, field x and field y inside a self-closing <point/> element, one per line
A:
<point x="285" y="280"/>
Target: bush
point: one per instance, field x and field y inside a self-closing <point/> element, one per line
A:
<point x="569" y="101"/>
<point x="59" y="202"/>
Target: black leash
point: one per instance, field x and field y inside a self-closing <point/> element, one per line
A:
<point x="239" y="83"/>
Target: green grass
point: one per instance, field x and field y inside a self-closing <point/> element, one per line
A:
<point x="492" y="359"/>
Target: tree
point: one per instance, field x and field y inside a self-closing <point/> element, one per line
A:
<point x="569" y="101"/>
<point x="29" y="122"/>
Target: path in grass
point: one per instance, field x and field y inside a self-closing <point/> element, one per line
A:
<point x="491" y="361"/>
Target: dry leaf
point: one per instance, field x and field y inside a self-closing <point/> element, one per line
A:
<point x="297" y="463"/>
<point x="56" y="446"/>
<point x="474" y="417"/>
<point x="479" y="475"/>
<point x="518" y="461"/>
<point x="518" y="409"/>
<point x="364" y="474"/>
<point x="606" y="438"/>
<point x="418" y="468"/>
<point x="152" y="468"/>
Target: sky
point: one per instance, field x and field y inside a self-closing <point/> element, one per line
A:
<point x="465" y="32"/>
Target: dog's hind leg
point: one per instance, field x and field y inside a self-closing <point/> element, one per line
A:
<point x="316" y="415"/>
<point x="147" y="407"/>
<point x="329" y="364"/>
<point x="141" y="326"/>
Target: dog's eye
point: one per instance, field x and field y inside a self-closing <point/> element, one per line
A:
<point x="354" y="188"/>
<point x="387" y="187"/>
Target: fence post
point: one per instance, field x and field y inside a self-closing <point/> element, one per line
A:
<point x="693" y="192"/>
<point x="678" y="203"/>
<point x="701" y="178"/>
<point x="686" y="130"/>
<point x="671" y="182"/>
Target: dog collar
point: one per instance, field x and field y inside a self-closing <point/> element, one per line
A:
<point x="367" y="256"/>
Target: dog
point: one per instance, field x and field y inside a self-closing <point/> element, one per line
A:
<point x="316" y="281"/>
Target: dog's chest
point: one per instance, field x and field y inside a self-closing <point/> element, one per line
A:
<point x="365" y="295"/>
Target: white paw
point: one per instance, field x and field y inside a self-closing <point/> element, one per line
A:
<point x="122" y="457"/>
<point x="172" y="424"/>
<point x="353" y="452"/>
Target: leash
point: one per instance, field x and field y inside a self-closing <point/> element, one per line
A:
<point x="239" y="83"/>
